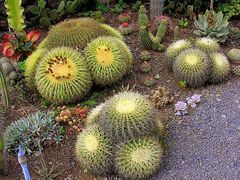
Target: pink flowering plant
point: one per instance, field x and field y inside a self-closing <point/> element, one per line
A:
<point x="182" y="107"/>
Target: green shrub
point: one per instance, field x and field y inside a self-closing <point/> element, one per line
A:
<point x="230" y="8"/>
<point x="33" y="133"/>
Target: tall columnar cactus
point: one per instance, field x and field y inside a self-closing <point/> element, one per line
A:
<point x="3" y="109"/>
<point x="15" y="15"/>
<point x="156" y="8"/>
<point x="143" y="17"/>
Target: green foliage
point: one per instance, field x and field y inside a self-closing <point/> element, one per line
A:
<point x="136" y="6"/>
<point x="183" y="23"/>
<point x="230" y="8"/>
<point x="108" y="60"/>
<point x="138" y="159"/>
<point x="62" y="76"/>
<point x="94" y="150"/>
<point x="119" y="7"/>
<point x="91" y="101"/>
<point x="103" y="6"/>
<point x="43" y="16"/>
<point x="21" y="66"/>
<point x="73" y="6"/>
<point x="128" y="115"/>
<point x="15" y="15"/>
<point x="212" y="25"/>
<point x="33" y="132"/>
<point x="234" y="33"/>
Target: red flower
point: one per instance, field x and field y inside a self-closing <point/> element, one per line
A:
<point x="7" y="49"/>
<point x="8" y="36"/>
<point x="33" y="36"/>
<point x="125" y="25"/>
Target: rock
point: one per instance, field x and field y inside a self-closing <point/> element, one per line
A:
<point x="145" y="67"/>
<point x="234" y="56"/>
<point x="4" y="59"/>
<point x="12" y="75"/>
<point x="7" y="68"/>
<point x="157" y="76"/>
<point x="149" y="81"/>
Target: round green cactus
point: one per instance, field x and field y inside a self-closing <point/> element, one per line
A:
<point x="108" y="60"/>
<point x="128" y="115"/>
<point x="94" y="150"/>
<point x="93" y="116"/>
<point x="62" y="76"/>
<point x="139" y="159"/>
<point x="208" y="45"/>
<point x="220" y="67"/>
<point x="193" y="66"/>
<point x="77" y="33"/>
<point x="234" y="56"/>
<point x="178" y="46"/>
<point x="30" y="66"/>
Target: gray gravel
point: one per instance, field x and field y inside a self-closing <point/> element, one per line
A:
<point x="206" y="144"/>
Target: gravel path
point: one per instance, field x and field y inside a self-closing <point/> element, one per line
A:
<point x="206" y="144"/>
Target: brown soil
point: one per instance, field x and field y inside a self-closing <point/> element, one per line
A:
<point x="25" y="102"/>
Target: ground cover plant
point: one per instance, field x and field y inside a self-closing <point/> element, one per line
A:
<point x="119" y="89"/>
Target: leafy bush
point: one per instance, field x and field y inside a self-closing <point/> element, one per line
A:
<point x="33" y="132"/>
<point x="230" y="9"/>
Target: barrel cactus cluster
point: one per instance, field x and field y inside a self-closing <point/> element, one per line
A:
<point x="198" y="63"/>
<point x="10" y="70"/>
<point x="74" y="55"/>
<point x="123" y="137"/>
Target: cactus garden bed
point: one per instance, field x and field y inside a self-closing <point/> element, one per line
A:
<point x="193" y="131"/>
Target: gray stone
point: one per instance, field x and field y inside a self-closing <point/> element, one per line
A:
<point x="7" y="68"/>
<point x="4" y="59"/>
<point x="12" y="75"/>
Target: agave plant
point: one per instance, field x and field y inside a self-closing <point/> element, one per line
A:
<point x="212" y="25"/>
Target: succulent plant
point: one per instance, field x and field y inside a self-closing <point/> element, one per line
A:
<point x="143" y="17"/>
<point x="149" y="81"/>
<point x="32" y="132"/>
<point x="234" y="33"/>
<point x="212" y="25"/>
<point x="77" y="33"/>
<point x="42" y="44"/>
<point x="63" y="76"/>
<point x="162" y="30"/>
<point x="94" y="115"/>
<point x="145" y="67"/>
<point x="176" y="35"/>
<point x="145" y="56"/>
<point x="175" y="49"/>
<point x="220" y="67"/>
<point x="138" y="159"/>
<point x="125" y="30"/>
<point x="94" y="150"/>
<point x="30" y="67"/>
<point x="160" y="97"/>
<point x="236" y="70"/>
<point x="10" y="70"/>
<point x="98" y="16"/>
<point x="127" y="115"/>
<point x="125" y="17"/>
<point x="207" y="45"/>
<point x="234" y="55"/>
<point x="14" y="11"/>
<point x="107" y="59"/>
<point x="193" y="66"/>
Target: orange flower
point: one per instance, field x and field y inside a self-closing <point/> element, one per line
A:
<point x="33" y="36"/>
<point x="7" y="49"/>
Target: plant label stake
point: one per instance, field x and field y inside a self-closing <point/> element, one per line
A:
<point x="23" y="162"/>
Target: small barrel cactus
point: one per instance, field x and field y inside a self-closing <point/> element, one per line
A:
<point x="236" y="70"/>
<point x="125" y="29"/>
<point x="10" y="69"/>
<point x="145" y="56"/>
<point x="234" y="56"/>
